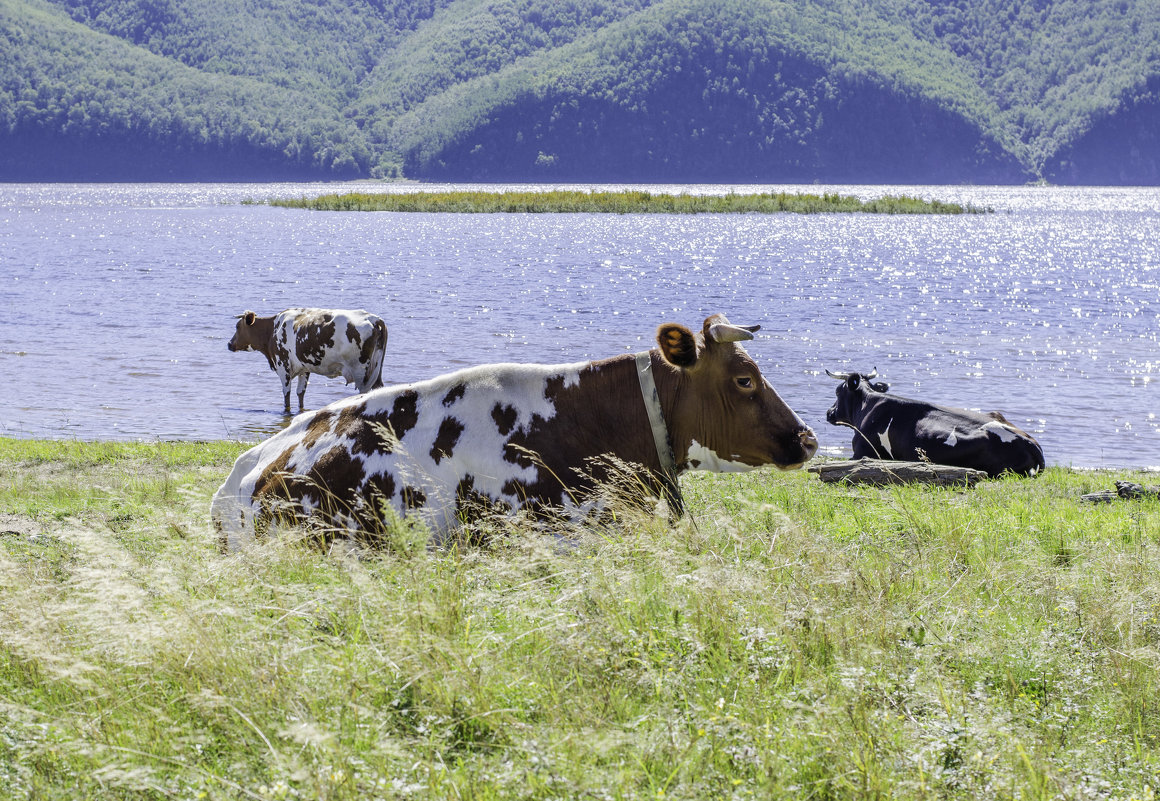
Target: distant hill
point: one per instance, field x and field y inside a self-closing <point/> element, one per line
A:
<point x="907" y="91"/>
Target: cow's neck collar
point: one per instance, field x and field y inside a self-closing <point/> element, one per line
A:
<point x="660" y="432"/>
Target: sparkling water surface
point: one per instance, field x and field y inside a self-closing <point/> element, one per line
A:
<point x="117" y="300"/>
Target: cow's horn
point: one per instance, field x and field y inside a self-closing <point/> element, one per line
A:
<point x="723" y="332"/>
<point x="839" y="376"/>
<point x="872" y="374"/>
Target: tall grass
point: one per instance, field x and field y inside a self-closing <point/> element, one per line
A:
<point x="622" y="202"/>
<point x="789" y="639"/>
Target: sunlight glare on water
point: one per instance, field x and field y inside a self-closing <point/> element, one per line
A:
<point x="118" y="301"/>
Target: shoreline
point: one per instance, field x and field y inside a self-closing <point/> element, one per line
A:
<point x="9" y="444"/>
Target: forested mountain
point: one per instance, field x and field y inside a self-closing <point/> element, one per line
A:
<point x="986" y="91"/>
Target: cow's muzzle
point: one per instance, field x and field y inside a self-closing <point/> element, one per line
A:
<point x="807" y="446"/>
<point x="809" y="443"/>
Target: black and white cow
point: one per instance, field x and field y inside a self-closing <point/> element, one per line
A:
<point x="329" y="342"/>
<point x="509" y="436"/>
<point x="892" y="427"/>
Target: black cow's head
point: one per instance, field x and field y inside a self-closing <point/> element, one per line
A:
<point x="851" y="396"/>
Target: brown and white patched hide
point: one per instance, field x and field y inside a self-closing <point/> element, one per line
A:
<point x="426" y="449"/>
<point x="328" y="342"/>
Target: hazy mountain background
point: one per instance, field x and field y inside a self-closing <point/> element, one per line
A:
<point x="982" y="91"/>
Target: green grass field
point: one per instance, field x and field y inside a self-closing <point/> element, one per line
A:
<point x="622" y="202"/>
<point x="789" y="639"/>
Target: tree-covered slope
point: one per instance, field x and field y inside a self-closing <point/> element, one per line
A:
<point x="75" y="103"/>
<point x="751" y="90"/>
<point x="649" y="90"/>
<point x="1057" y="69"/>
<point x="1122" y="143"/>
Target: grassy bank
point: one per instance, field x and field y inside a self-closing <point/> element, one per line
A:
<point x="791" y="640"/>
<point x="626" y="202"/>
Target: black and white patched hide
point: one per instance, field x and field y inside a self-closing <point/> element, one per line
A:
<point x="903" y="429"/>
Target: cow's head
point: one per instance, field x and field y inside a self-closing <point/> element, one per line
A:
<point x="721" y="413"/>
<point x="852" y="392"/>
<point x="248" y="335"/>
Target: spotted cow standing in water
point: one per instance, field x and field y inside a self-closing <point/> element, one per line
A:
<point x="329" y="342"/>
<point x="510" y="436"/>
<point x="897" y="428"/>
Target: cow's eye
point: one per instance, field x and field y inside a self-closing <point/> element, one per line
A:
<point x="745" y="382"/>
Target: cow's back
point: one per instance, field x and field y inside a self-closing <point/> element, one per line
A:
<point x="987" y="442"/>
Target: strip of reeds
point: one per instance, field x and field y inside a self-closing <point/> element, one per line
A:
<point x="622" y="202"/>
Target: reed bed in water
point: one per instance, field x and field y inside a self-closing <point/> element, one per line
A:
<point x="789" y="640"/>
<point x="625" y="202"/>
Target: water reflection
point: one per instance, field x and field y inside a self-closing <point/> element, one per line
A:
<point x="257" y="424"/>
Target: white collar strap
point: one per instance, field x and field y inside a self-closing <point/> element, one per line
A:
<point x="660" y="433"/>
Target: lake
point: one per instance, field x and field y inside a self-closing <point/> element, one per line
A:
<point x="117" y="300"/>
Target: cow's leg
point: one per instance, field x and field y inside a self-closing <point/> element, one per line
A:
<point x="285" y="379"/>
<point x="864" y="449"/>
<point x="302" y="379"/>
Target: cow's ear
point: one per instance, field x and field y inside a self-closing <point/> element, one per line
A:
<point x="879" y="386"/>
<point x="249" y="317"/>
<point x="678" y="345"/>
<point x="853" y="381"/>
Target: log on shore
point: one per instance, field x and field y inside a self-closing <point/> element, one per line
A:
<point x="881" y="473"/>
<point x="1128" y="490"/>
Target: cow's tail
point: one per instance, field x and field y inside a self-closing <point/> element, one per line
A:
<point x="374" y="373"/>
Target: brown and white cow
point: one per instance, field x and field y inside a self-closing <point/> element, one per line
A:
<point x="510" y="436"/>
<point x="329" y="342"/>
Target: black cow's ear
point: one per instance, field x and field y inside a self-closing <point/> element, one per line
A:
<point x="678" y="345"/>
<point x="249" y="317"/>
<point x="879" y="386"/>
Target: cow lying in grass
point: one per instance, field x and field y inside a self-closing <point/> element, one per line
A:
<point x="893" y="427"/>
<point x="512" y="436"/>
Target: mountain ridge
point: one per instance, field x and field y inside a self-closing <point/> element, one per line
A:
<point x="912" y="91"/>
